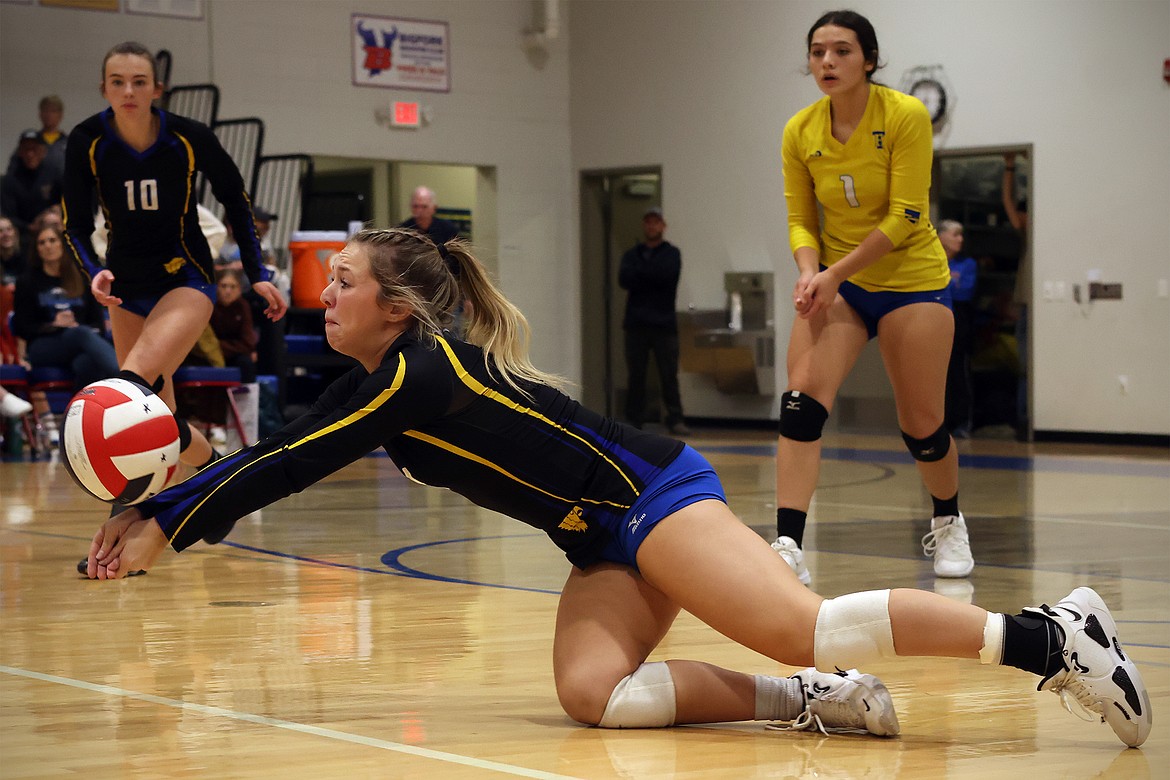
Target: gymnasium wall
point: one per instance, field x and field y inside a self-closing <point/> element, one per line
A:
<point x="703" y="88"/>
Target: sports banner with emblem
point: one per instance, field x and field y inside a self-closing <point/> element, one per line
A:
<point x="401" y="53"/>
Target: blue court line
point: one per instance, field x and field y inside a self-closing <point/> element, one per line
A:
<point x="1055" y="463"/>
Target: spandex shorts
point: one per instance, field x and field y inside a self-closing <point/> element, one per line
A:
<point x="872" y="306"/>
<point x="142" y="306"/>
<point x="689" y="478"/>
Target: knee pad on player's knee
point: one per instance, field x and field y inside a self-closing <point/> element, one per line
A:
<point x="802" y="417"/>
<point x="853" y="630"/>
<point x="933" y="447"/>
<point x="155" y="387"/>
<point x="184" y="433"/>
<point x="644" y="699"/>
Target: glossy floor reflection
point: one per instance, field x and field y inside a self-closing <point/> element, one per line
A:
<point x="371" y="627"/>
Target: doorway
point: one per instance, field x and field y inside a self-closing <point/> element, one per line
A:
<point x="968" y="187"/>
<point x="612" y="205"/>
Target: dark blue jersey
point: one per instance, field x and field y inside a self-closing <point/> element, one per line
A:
<point x="149" y="202"/>
<point x="445" y="421"/>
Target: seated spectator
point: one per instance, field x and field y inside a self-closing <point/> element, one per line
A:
<point x="32" y="187"/>
<point x="11" y="259"/>
<point x="266" y="353"/>
<point x="52" y="111"/>
<point x="58" y="319"/>
<point x="232" y="322"/>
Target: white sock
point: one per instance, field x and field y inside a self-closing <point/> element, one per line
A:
<point x="992" y="650"/>
<point x="778" y="698"/>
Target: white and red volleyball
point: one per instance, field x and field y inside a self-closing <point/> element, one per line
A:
<point x="119" y="441"/>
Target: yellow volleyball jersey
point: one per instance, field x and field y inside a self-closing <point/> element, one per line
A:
<point x="879" y="178"/>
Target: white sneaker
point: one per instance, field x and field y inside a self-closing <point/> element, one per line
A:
<point x="844" y="701"/>
<point x="217" y="436"/>
<point x="793" y="556"/>
<point x="948" y="543"/>
<point x="14" y="406"/>
<point x="1098" y="675"/>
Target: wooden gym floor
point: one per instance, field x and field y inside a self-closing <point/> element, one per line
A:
<point x="373" y="628"/>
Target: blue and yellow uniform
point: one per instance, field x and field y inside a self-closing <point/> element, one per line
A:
<point x="149" y="203"/>
<point x="879" y="178"/>
<point x="446" y="421"/>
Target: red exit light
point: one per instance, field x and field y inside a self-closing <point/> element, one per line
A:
<point x="406" y="114"/>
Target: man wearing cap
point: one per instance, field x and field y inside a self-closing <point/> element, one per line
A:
<point x="52" y="111"/>
<point x="32" y="187"/>
<point x="423" y="219"/>
<point x="649" y="273"/>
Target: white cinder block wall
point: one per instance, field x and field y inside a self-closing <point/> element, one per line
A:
<point x="702" y="88"/>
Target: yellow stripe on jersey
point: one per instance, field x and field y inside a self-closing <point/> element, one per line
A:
<point x="186" y="200"/>
<point x="483" y="462"/>
<point x="352" y="418"/>
<point x="480" y="389"/>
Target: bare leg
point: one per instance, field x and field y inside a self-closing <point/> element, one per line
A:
<point x="916" y="345"/>
<point x="821" y="353"/>
<point x="159" y="343"/>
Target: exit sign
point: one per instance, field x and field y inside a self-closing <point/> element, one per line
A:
<point x="405" y="114"/>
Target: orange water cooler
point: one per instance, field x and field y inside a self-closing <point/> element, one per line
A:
<point x="311" y="251"/>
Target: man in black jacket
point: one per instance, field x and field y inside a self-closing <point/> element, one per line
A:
<point x="649" y="273"/>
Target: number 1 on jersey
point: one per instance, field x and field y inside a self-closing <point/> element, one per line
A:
<point x="850" y="193"/>
<point x="147" y="195"/>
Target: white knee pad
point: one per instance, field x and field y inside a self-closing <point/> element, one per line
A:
<point x="642" y="700"/>
<point x="853" y="630"/>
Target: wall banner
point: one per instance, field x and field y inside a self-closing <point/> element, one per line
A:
<point x="401" y="53"/>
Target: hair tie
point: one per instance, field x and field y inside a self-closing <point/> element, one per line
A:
<point x="452" y="263"/>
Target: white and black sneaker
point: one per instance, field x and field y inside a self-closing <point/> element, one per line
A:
<point x="949" y="545"/>
<point x="792" y="554"/>
<point x="843" y="702"/>
<point x="1098" y="674"/>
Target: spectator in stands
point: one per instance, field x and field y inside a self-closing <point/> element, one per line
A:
<point x="423" y="219"/>
<point x="52" y="111"/>
<point x="58" y="318"/>
<point x="32" y="187"/>
<point x="233" y="325"/>
<point x="11" y="259"/>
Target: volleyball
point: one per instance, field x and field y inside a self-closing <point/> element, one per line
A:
<point x="119" y="441"/>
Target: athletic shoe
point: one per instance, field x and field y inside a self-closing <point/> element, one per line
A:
<point x="843" y="701"/>
<point x="948" y="543"/>
<point x="14" y="406"/>
<point x="793" y="556"/>
<point x="1098" y="675"/>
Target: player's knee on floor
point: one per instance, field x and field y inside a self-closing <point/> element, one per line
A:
<point x="853" y="630"/>
<point x="642" y="699"/>
<point x="802" y="417"/>
<point x="933" y="447"/>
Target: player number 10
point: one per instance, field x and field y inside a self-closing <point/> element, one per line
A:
<point x="147" y="195"/>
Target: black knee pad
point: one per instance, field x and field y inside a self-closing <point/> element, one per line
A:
<point x="184" y="433"/>
<point x="130" y="376"/>
<point x="802" y="417"/>
<point x="933" y="447"/>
